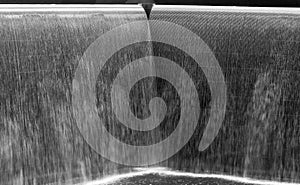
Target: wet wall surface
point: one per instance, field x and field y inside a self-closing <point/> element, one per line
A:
<point x="258" y="54"/>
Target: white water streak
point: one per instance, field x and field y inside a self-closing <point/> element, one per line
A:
<point x="166" y="172"/>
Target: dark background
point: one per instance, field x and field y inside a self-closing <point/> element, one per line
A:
<point x="286" y="3"/>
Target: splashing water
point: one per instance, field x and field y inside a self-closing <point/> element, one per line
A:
<point x="185" y="177"/>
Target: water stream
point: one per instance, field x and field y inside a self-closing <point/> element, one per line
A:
<point x="192" y="90"/>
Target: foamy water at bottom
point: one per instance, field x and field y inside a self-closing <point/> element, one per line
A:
<point x="165" y="176"/>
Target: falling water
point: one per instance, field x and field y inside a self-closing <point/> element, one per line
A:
<point x="40" y="50"/>
<point x="45" y="140"/>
